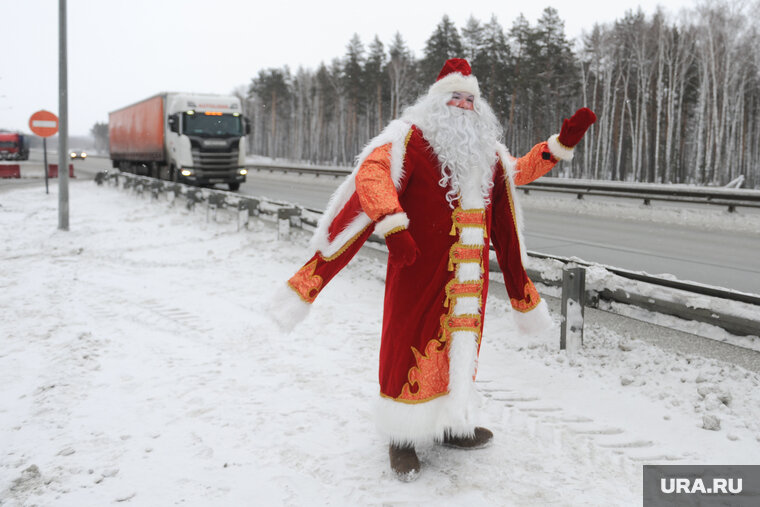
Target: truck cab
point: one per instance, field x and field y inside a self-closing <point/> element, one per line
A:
<point x="205" y="140"/>
<point x="197" y="139"/>
<point x="13" y="146"/>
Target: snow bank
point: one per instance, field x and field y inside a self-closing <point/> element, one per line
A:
<point x="138" y="367"/>
<point x="598" y="278"/>
<point x="705" y="217"/>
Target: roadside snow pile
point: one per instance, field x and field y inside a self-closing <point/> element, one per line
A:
<point x="704" y="217"/>
<point x="599" y="279"/>
<point x="138" y="367"/>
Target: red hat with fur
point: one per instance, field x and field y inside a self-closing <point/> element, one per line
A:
<point x="456" y="76"/>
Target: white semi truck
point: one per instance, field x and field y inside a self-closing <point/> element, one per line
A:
<point x="190" y="138"/>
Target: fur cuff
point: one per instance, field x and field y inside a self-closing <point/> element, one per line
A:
<point x="559" y="150"/>
<point x="287" y="309"/>
<point x="390" y="222"/>
<point x="535" y="321"/>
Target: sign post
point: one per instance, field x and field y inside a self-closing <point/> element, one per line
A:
<point x="44" y="124"/>
<point x="63" y="110"/>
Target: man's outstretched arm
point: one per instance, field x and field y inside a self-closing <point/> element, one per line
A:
<point x="377" y="196"/>
<point x="543" y="156"/>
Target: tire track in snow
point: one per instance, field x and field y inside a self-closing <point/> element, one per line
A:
<point x="599" y="438"/>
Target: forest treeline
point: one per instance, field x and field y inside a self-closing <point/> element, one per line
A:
<point x="677" y="100"/>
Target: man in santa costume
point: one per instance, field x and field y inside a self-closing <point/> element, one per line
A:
<point x="440" y="187"/>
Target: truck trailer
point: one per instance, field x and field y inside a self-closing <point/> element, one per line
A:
<point x="197" y="139"/>
<point x="13" y="146"/>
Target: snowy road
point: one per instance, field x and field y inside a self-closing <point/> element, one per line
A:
<point x="139" y="368"/>
<point x="706" y="245"/>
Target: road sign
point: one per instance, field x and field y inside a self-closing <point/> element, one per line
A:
<point x="44" y="123"/>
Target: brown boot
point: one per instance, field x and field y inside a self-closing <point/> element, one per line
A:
<point x="404" y="462"/>
<point x="481" y="438"/>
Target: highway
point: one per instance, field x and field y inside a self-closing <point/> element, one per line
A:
<point x="727" y="258"/>
<point x="721" y="258"/>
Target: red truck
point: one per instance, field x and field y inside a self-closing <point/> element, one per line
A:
<point x="13" y="147"/>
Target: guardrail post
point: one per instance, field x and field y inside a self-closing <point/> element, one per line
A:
<point x="193" y="196"/>
<point x="251" y="205"/>
<point x="573" y="303"/>
<point x="156" y="188"/>
<point x="215" y="201"/>
<point x="284" y="218"/>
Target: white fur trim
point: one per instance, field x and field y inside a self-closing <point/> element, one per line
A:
<point x="471" y="236"/>
<point x="390" y="222"/>
<point x="286" y="308"/>
<point x="456" y="82"/>
<point x="535" y="321"/>
<point x="470" y="192"/>
<point x="395" y="133"/>
<point x="466" y="306"/>
<point x="558" y="150"/>
<point x="468" y="272"/>
<point x="421" y="423"/>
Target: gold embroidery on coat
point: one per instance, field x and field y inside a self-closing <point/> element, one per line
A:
<point x="529" y="301"/>
<point x="468" y="218"/>
<point x="456" y="289"/>
<point x="306" y="283"/>
<point x="374" y="186"/>
<point x="464" y="253"/>
<point x="431" y="375"/>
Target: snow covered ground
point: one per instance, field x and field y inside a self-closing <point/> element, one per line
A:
<point x="138" y="367"/>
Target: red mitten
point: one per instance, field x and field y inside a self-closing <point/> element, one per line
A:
<point x="574" y="128"/>
<point x="401" y="247"/>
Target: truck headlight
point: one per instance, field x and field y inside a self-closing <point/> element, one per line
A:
<point x="186" y="172"/>
<point x="242" y="172"/>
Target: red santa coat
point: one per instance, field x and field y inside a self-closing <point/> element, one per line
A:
<point x="432" y="319"/>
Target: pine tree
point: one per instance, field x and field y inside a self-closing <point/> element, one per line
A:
<point x="401" y="74"/>
<point x="99" y="132"/>
<point x="491" y="66"/>
<point x="376" y="84"/>
<point x="472" y="39"/>
<point x="560" y="79"/>
<point x="353" y="85"/>
<point x="443" y="44"/>
<point x="522" y="73"/>
<point x="272" y="88"/>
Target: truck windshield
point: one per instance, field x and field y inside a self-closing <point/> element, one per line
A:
<point x="200" y="124"/>
<point x="7" y="144"/>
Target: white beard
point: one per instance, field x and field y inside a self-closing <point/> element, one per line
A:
<point x="465" y="143"/>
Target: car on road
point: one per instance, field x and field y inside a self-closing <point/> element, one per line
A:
<point x="78" y="154"/>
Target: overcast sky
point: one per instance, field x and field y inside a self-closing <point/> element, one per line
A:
<point x="123" y="51"/>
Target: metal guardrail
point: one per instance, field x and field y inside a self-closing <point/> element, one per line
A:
<point x="733" y="323"/>
<point x="297" y="216"/>
<point x="316" y="170"/>
<point x="647" y="192"/>
<point x="729" y="197"/>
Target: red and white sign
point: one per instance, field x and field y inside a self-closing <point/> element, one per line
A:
<point x="44" y="123"/>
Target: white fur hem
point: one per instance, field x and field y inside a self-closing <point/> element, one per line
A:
<point x="456" y="82"/>
<point x="390" y="222"/>
<point x="287" y="309"/>
<point x="535" y="321"/>
<point x="453" y="413"/>
<point x="558" y="150"/>
<point x="425" y="423"/>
